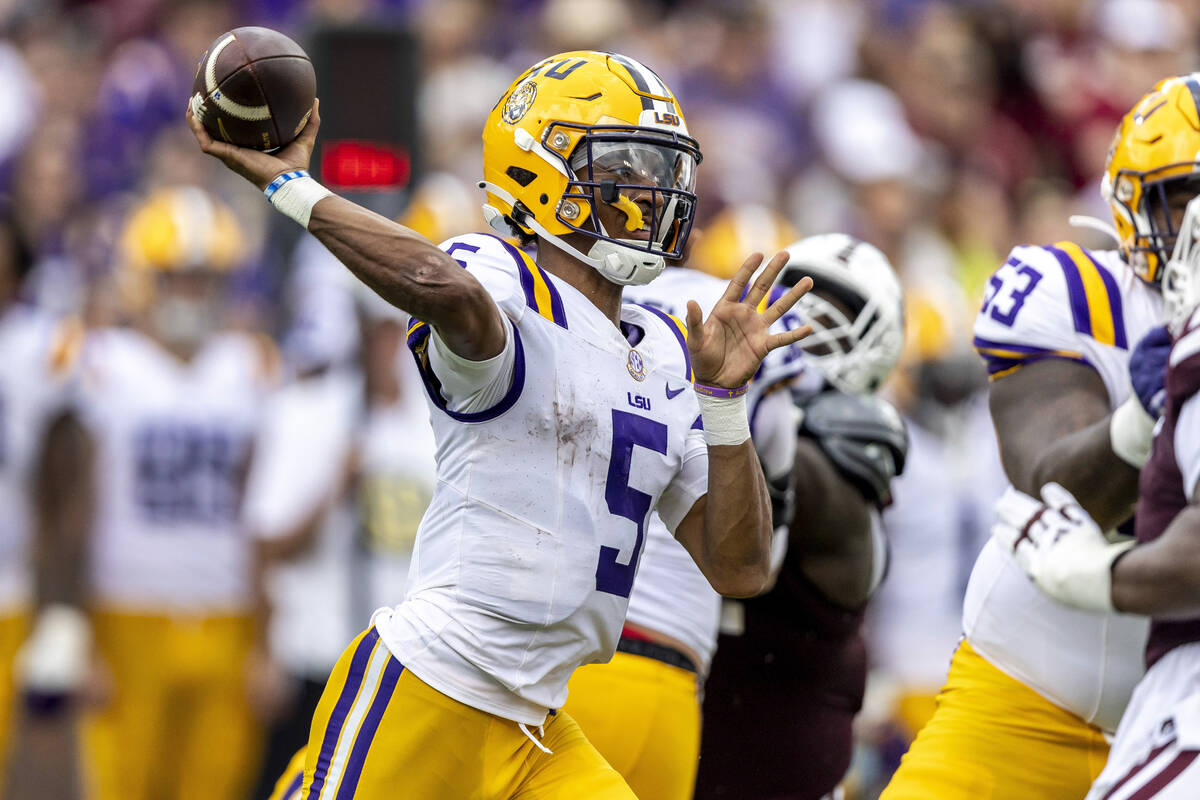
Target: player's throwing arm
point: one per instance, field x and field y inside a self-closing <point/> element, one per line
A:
<point x="400" y="265"/>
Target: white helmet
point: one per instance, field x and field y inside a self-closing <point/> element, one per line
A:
<point x="856" y="309"/>
<point x="1180" y="281"/>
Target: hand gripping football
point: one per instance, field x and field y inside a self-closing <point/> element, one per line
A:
<point x="254" y="87"/>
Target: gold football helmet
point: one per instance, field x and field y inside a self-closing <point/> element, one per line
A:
<point x="1153" y="170"/>
<point x="177" y="251"/>
<point x="583" y="128"/>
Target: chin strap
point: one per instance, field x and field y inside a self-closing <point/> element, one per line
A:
<point x="621" y="264"/>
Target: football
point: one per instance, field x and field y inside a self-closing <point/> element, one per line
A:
<point x="254" y="87"/>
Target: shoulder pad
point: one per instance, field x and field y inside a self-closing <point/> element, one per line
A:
<point x="862" y="435"/>
<point x="509" y="275"/>
<point x="1096" y="305"/>
<point x="1042" y="302"/>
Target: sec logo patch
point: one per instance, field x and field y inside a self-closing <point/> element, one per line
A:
<point x="635" y="365"/>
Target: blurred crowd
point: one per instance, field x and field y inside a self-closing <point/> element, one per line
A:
<point x="942" y="132"/>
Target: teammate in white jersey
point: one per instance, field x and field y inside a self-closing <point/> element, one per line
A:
<point x="171" y="407"/>
<point x="1035" y="684"/>
<point x="559" y="426"/>
<point x="670" y="632"/>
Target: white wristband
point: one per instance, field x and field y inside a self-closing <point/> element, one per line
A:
<point x="1131" y="430"/>
<point x="294" y="194"/>
<point x="725" y="420"/>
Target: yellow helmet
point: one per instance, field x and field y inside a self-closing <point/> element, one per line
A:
<point x="174" y="230"/>
<point x="582" y="128"/>
<point x="182" y="228"/>
<point x="1155" y="153"/>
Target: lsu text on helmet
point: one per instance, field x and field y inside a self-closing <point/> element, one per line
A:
<point x="1153" y="169"/>
<point x="585" y="128"/>
<point x="856" y="308"/>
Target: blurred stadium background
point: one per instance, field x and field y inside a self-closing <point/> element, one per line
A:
<point x="942" y="132"/>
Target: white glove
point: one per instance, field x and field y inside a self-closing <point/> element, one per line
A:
<point x="55" y="659"/>
<point x="1059" y="546"/>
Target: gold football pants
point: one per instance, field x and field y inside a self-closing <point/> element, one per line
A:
<point x="178" y="724"/>
<point x="644" y="718"/>
<point x="993" y="738"/>
<point x="380" y="733"/>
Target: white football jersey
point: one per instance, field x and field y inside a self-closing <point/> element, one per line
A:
<point x="173" y="445"/>
<point x="1086" y="306"/>
<point x="526" y="557"/>
<point x="671" y="595"/>
<point x="35" y="362"/>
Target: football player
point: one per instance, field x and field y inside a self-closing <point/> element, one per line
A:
<point x="560" y="426"/>
<point x="1035" y="684"/>
<point x="1069" y="557"/>
<point x="642" y="710"/>
<point x="171" y="406"/>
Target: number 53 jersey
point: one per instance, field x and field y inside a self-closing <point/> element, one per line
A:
<point x="1087" y="306"/>
<point x="525" y="559"/>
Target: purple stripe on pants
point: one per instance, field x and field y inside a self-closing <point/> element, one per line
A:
<point x="358" y="668"/>
<point x="366" y="733"/>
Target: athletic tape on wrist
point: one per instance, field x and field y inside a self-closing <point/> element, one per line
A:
<point x="1131" y="431"/>
<point x="294" y="194"/>
<point x="725" y="420"/>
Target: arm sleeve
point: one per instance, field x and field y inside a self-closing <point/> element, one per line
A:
<point x="689" y="485"/>
<point x="472" y="386"/>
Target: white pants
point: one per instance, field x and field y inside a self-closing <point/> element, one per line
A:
<point x="1158" y="742"/>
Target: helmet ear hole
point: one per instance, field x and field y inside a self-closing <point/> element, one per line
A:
<point x="521" y="175"/>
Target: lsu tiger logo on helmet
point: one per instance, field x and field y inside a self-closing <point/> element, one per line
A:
<point x="1153" y="170"/>
<point x="582" y="130"/>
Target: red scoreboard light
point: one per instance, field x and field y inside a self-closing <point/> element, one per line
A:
<point x="368" y="80"/>
<point x="365" y="166"/>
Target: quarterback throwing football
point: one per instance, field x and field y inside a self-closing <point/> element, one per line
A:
<point x="560" y="426"/>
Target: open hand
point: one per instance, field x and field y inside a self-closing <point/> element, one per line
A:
<point x="254" y="165"/>
<point x="728" y="347"/>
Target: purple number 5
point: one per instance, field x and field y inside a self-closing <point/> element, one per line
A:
<point x="1011" y="297"/>
<point x="629" y="431"/>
